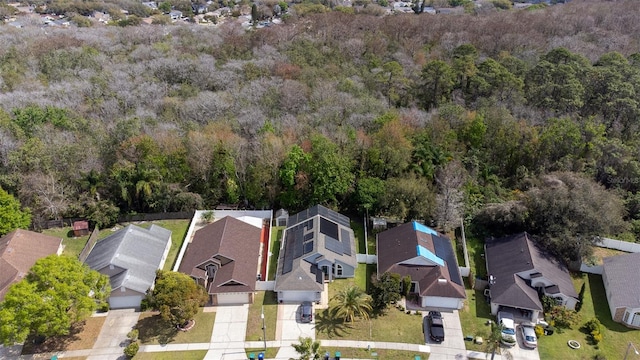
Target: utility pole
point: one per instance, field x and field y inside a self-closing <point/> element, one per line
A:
<point x="264" y="330"/>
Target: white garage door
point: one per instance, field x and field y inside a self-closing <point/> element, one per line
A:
<point x="124" y="302"/>
<point x="233" y="299"/>
<point x="298" y="296"/>
<point x="441" y="302"/>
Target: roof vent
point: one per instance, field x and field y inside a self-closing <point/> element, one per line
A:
<point x="442" y="281"/>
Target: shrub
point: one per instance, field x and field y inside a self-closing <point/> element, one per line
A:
<point x="562" y="317"/>
<point x="539" y="331"/>
<point x="132" y="349"/>
<point x="418" y="312"/>
<point x="594" y="328"/>
<point x="580" y="298"/>
<point x="133" y="335"/>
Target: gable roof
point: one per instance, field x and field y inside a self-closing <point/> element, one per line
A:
<point x="19" y="250"/>
<point x="623" y="292"/>
<point x="232" y="244"/>
<point x="422" y="253"/>
<point x="136" y="251"/>
<point x="510" y="255"/>
<point x="314" y="235"/>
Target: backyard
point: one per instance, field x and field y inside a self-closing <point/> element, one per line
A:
<point x="274" y="248"/>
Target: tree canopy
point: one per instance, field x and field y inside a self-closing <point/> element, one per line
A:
<point x="58" y="292"/>
<point x="177" y="297"/>
<point x="11" y="215"/>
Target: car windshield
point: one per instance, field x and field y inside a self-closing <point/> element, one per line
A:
<point x="508" y="331"/>
<point x="530" y="338"/>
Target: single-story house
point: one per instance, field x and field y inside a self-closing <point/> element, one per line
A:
<point x="223" y="257"/>
<point x="623" y="292"/>
<point x="318" y="245"/>
<point x="19" y="250"/>
<point x="175" y="15"/>
<point x="130" y="257"/>
<point x="519" y="272"/>
<point x="428" y="258"/>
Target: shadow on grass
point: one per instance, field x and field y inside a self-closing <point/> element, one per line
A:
<point x="270" y="298"/>
<point x="36" y="344"/>
<point x="153" y="329"/>
<point x="601" y="305"/>
<point x="329" y="325"/>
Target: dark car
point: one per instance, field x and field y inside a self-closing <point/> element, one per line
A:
<point x="306" y="312"/>
<point x="434" y="325"/>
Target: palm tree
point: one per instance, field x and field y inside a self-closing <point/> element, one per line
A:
<point x="350" y="303"/>
<point x="308" y="349"/>
<point x="493" y="341"/>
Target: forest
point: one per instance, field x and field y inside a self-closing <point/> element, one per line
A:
<point x="513" y="120"/>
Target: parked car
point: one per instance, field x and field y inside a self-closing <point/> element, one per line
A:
<point x="306" y="312"/>
<point x="434" y="325"/>
<point x="505" y="319"/>
<point x="529" y="338"/>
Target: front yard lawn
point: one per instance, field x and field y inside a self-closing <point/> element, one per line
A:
<point x="386" y="354"/>
<point x="82" y="336"/>
<point x="269" y="354"/>
<point x="182" y="355"/>
<point x="394" y="326"/>
<point x="154" y="330"/>
<point x="268" y="301"/>
<point x="362" y="279"/>
<point x="474" y="317"/>
<point x="616" y="337"/>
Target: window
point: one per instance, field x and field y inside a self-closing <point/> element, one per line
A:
<point x="338" y="270"/>
<point x="626" y="317"/>
<point x="211" y="271"/>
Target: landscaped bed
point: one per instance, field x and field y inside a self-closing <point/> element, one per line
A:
<point x="154" y="330"/>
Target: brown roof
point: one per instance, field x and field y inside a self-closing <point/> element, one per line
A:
<point x="80" y="225"/>
<point x="435" y="269"/>
<point x="231" y="244"/>
<point x="19" y="250"/>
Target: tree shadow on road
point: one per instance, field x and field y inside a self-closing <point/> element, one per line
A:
<point x="331" y="326"/>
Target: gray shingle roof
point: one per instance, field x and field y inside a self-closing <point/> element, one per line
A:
<point x="313" y="235"/>
<point x="135" y="254"/>
<point x="514" y="254"/>
<point x="620" y="271"/>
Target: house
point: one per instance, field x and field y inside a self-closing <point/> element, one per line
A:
<point x="19" y="250"/>
<point x="318" y="245"/>
<point x="80" y="228"/>
<point x="623" y="294"/>
<point x="427" y="257"/>
<point x="130" y="257"/>
<point x="175" y="15"/>
<point x="519" y="272"/>
<point x="224" y="258"/>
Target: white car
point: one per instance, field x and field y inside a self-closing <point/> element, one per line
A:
<point x="506" y="321"/>
<point x="529" y="338"/>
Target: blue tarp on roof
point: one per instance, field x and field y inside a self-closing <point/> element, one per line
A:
<point x="425" y="253"/>
<point x="425" y="229"/>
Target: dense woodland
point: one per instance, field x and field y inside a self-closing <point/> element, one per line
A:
<point x="513" y="120"/>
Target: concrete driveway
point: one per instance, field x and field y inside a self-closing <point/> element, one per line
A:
<point x="229" y="332"/>
<point x="520" y="352"/>
<point x="289" y="325"/>
<point x="453" y="346"/>
<point x="113" y="336"/>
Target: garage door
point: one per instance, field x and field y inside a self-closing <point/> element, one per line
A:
<point x="233" y="299"/>
<point x="298" y="296"/>
<point x="124" y="302"/>
<point x="441" y="302"/>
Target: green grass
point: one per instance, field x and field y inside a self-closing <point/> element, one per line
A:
<point x="616" y="336"/>
<point x="269" y="354"/>
<point x="154" y="330"/>
<point x="268" y="301"/>
<point x="358" y="230"/>
<point x="357" y="353"/>
<point x="394" y="326"/>
<point x="473" y="318"/>
<point x="72" y="246"/>
<point x="362" y="279"/>
<point x="276" y="241"/>
<point x="182" y="355"/>
<point x="477" y="262"/>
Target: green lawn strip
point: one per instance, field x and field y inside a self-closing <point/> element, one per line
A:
<point x="269" y="354"/>
<point x="268" y="301"/>
<point x="615" y="336"/>
<point x="477" y="263"/>
<point x="72" y="245"/>
<point x="154" y="330"/>
<point x="393" y="326"/>
<point x="274" y="248"/>
<point x="171" y="355"/>
<point x="474" y="317"/>
<point x="357" y="353"/>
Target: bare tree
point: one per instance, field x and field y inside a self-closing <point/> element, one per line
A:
<point x="450" y="197"/>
